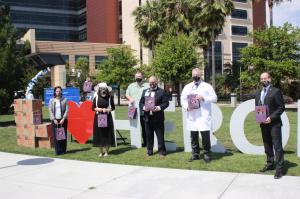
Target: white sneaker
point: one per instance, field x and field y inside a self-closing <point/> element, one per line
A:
<point x="105" y="154"/>
<point x="100" y="155"/>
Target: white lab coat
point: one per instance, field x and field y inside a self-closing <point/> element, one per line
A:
<point x="199" y="119"/>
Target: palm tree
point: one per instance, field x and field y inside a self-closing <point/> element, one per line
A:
<point x="149" y="23"/>
<point x="210" y="23"/>
<point x="271" y="3"/>
<point x="202" y="19"/>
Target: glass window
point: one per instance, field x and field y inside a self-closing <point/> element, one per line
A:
<point x="236" y="48"/>
<point x="239" y="14"/>
<point x="99" y="60"/>
<point x="82" y="35"/>
<point x="56" y="35"/>
<point x="241" y="1"/>
<point x="50" y="4"/>
<point x="239" y="30"/>
<point x="81" y="56"/>
<point x="218" y="60"/>
<point x="66" y="58"/>
<point x="42" y="18"/>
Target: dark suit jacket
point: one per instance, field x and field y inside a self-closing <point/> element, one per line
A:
<point x="274" y="101"/>
<point x="161" y="99"/>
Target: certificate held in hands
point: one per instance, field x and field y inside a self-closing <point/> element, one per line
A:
<point x="261" y="113"/>
<point x="102" y="120"/>
<point x="193" y="103"/>
<point x="149" y="103"/>
<point x="132" y="112"/>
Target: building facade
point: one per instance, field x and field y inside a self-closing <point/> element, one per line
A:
<point x="247" y="15"/>
<point x="68" y="20"/>
<point x="111" y="21"/>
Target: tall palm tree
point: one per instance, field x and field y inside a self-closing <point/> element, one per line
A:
<point x="202" y="19"/>
<point x="271" y="4"/>
<point x="149" y="23"/>
<point x="210" y="23"/>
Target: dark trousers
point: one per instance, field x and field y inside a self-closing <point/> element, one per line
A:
<point x="272" y="139"/>
<point x="60" y="146"/>
<point x="195" y="143"/>
<point x="142" y="122"/>
<point x="158" y="126"/>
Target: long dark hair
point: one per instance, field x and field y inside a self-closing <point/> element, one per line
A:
<point x="54" y="90"/>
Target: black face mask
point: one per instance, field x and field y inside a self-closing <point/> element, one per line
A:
<point x="103" y="93"/>
<point x="265" y="83"/>
<point x="196" y="78"/>
<point x="139" y="80"/>
<point x="153" y="86"/>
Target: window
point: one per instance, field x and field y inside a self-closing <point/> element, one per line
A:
<point x="82" y="35"/>
<point x="218" y="60"/>
<point x="51" y="4"/>
<point x="77" y="57"/>
<point x="236" y="51"/>
<point x="239" y="14"/>
<point x="65" y="58"/>
<point x="99" y="60"/>
<point x="240" y="1"/>
<point x="239" y="30"/>
<point x="56" y="35"/>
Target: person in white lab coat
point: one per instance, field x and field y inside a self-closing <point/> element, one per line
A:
<point x="199" y="118"/>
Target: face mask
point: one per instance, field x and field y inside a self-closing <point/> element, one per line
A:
<point x="153" y="85"/>
<point x="103" y="93"/>
<point x="139" y="80"/>
<point x="265" y="83"/>
<point x="196" y="78"/>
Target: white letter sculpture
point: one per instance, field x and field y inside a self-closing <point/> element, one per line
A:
<point x="237" y="129"/>
<point x="217" y="119"/>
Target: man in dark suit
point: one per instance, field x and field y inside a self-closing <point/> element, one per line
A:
<point x="154" y="118"/>
<point x="271" y="128"/>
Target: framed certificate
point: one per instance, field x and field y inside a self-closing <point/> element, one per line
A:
<point x="193" y="103"/>
<point x="261" y="113"/>
<point x="149" y="103"/>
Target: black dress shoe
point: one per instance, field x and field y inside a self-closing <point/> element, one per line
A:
<point x="193" y="158"/>
<point x="278" y="175"/>
<point x="206" y="158"/>
<point x="266" y="168"/>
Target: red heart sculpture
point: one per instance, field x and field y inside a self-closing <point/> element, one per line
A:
<point x="81" y="120"/>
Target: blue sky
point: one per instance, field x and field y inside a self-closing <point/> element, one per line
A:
<point x="286" y="12"/>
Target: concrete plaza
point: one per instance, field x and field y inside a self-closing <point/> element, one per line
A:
<point x="24" y="176"/>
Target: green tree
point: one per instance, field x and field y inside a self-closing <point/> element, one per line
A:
<point x="12" y="60"/>
<point x="201" y="19"/>
<point x="118" y="68"/>
<point x="148" y="22"/>
<point x="276" y="50"/>
<point x="196" y="17"/>
<point x="81" y="71"/>
<point x="174" y="58"/>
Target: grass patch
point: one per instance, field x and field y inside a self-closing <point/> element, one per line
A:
<point x="232" y="161"/>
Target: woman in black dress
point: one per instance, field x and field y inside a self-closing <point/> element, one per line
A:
<point x="103" y="134"/>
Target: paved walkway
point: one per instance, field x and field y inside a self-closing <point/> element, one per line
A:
<point x="23" y="176"/>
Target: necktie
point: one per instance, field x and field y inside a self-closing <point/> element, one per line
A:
<point x="197" y="84"/>
<point x="263" y="96"/>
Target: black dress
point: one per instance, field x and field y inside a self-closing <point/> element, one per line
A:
<point x="103" y="136"/>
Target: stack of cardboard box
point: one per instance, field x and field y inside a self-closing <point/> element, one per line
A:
<point x="30" y="130"/>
